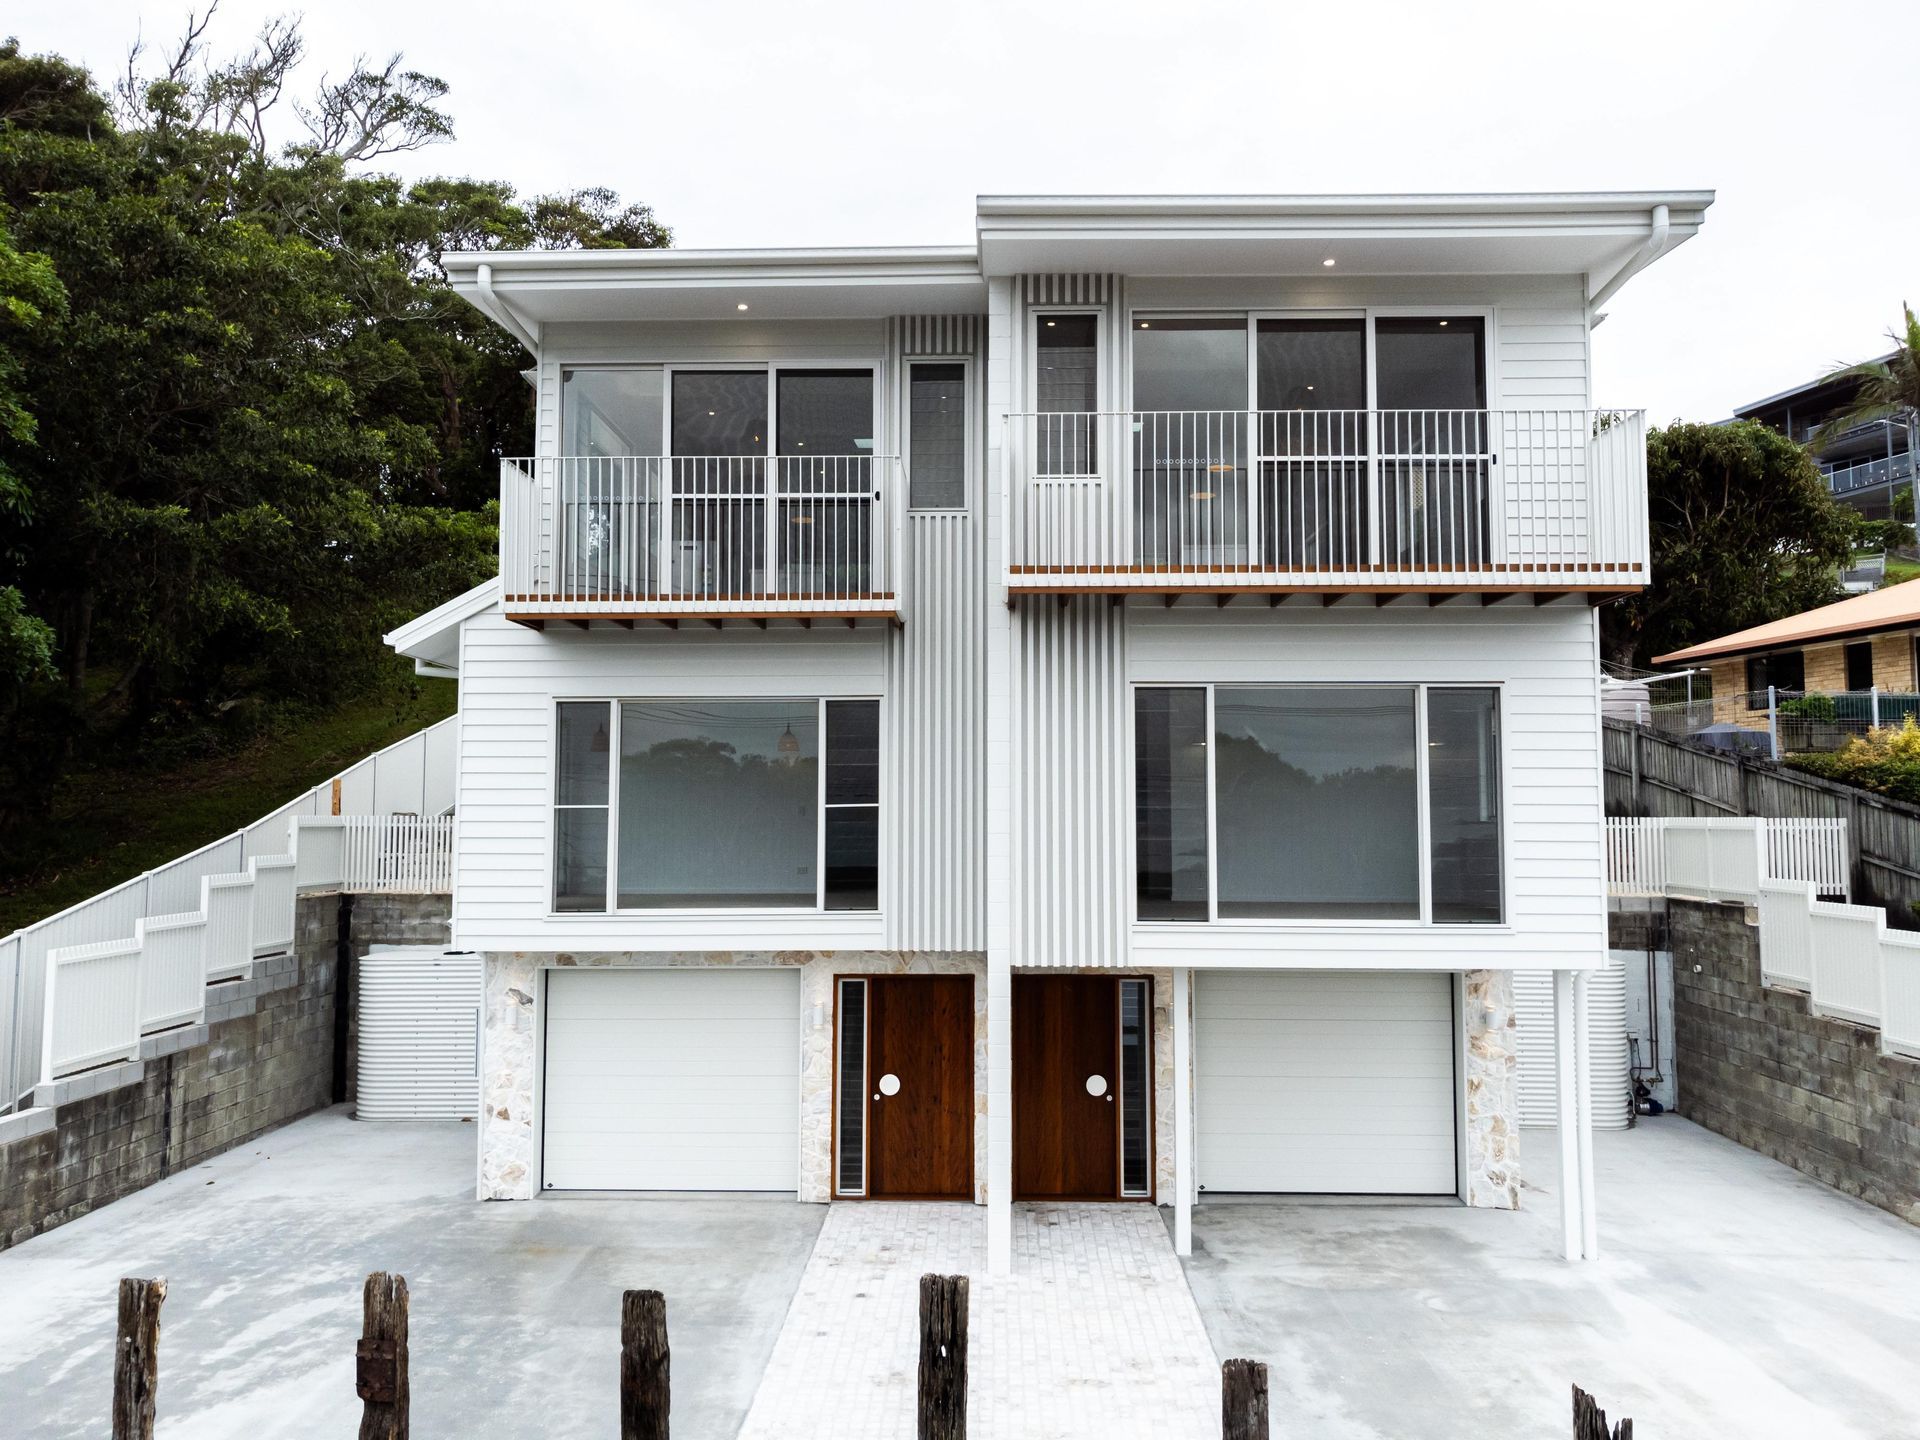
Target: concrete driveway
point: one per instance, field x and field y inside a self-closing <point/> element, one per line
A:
<point x="515" y="1314"/>
<point x="1733" y="1297"/>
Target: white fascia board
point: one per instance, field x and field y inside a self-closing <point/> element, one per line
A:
<point x="1069" y="208"/>
<point x="430" y="637"/>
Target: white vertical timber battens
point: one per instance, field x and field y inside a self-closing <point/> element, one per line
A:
<point x="1182" y="1111"/>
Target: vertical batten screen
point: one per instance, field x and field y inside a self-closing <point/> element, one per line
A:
<point x="1136" y="1150"/>
<point x="852" y="1100"/>
<point x="583" y="759"/>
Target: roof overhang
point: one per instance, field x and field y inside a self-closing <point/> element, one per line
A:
<point x="1896" y="607"/>
<point x="1596" y="235"/>
<point x="432" y="640"/>
<point x="543" y="287"/>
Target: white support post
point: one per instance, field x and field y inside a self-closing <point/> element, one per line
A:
<point x="999" y="1115"/>
<point x="1568" y="1118"/>
<point x="1583" y="1109"/>
<point x="1773" y="722"/>
<point x="1873" y="703"/>
<point x="1182" y="1018"/>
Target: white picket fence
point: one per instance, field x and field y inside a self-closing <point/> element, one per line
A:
<point x="82" y="987"/>
<point x="1724" y="859"/>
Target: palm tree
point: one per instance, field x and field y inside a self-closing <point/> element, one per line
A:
<point x="1887" y="389"/>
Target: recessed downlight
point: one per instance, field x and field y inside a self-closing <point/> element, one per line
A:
<point x="1327" y="261"/>
<point x="741" y="306"/>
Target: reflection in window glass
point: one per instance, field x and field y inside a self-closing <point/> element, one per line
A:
<point x="1189" y="364"/>
<point x="582" y="760"/>
<point x="720" y="412"/>
<point x="719" y="803"/>
<point x="1170" y="803"/>
<point x="1463" y="790"/>
<point x="1067" y="349"/>
<point x="825" y="412"/>
<point x="936" y="436"/>
<point x="1312" y="364"/>
<point x="1430" y="363"/>
<point x="1135" y="1128"/>
<point x="1317" y="803"/>
<point x="852" y="831"/>
<point x="611" y="412"/>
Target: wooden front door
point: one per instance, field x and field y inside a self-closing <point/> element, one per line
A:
<point x="1066" y="1138"/>
<point x="920" y="1087"/>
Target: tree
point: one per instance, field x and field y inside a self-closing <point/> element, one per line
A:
<point x="1886" y="390"/>
<point x="1743" y="530"/>
<point x="245" y="424"/>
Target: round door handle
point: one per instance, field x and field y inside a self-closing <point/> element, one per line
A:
<point x="1096" y="1086"/>
<point x="889" y="1084"/>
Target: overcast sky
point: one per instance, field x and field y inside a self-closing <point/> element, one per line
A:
<point x="830" y="122"/>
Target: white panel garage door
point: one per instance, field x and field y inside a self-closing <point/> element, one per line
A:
<point x="673" y="1080"/>
<point x="1317" y="1082"/>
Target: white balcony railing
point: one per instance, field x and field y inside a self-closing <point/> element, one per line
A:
<point x="664" y="535"/>
<point x="1223" y="498"/>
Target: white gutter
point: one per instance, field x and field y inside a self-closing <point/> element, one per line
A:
<point x="497" y="309"/>
<point x="1649" y="251"/>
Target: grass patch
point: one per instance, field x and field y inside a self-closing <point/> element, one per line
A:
<point x="109" y="825"/>
<point x="1899" y="570"/>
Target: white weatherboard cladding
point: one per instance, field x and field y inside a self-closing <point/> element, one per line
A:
<point x="1332" y="1083"/>
<point x="1611" y="1073"/>
<point x="511" y="677"/>
<point x="672" y="1080"/>
<point x="418" y="1036"/>
<point x="1542" y="658"/>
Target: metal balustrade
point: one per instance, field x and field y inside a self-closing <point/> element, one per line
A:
<point x="666" y="535"/>
<point x="1271" y="499"/>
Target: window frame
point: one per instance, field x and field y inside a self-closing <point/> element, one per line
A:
<point x="612" y="909"/>
<point x="1849" y="651"/>
<point x="968" y="453"/>
<point x="875" y="365"/>
<point x="1423" y="803"/>
<point x="1103" y="361"/>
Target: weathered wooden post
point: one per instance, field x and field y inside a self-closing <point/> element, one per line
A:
<point x="943" y="1357"/>
<point x="643" y="1365"/>
<point x="380" y="1371"/>
<point x="1243" y="1400"/>
<point x="136" y="1359"/>
<point x="1590" y="1421"/>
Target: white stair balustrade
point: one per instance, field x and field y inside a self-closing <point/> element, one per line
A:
<point x="93" y="1005"/>
<point x="1845" y="945"/>
<point x="173" y="969"/>
<point x="273" y="903"/>
<point x="1900" y="982"/>
<point x="1786" y="934"/>
<point x="227" y="902"/>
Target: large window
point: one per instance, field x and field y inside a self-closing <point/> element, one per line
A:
<point x="717" y="804"/>
<point x="1309" y="803"/>
<point x="612" y="412"/>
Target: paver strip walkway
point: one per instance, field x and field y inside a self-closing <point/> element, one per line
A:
<point x="1095" y="1334"/>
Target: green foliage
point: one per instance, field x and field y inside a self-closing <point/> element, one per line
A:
<point x="1885" y="761"/>
<point x="245" y="425"/>
<point x="1882" y="535"/>
<point x="1809" y="707"/>
<point x="1743" y="531"/>
<point x="1884" y="389"/>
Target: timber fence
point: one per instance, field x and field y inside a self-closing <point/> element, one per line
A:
<point x="1650" y="774"/>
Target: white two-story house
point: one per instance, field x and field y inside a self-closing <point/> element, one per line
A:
<point x="1098" y="714"/>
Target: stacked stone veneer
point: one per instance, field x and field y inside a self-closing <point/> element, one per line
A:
<point x="1755" y="1064"/>
<point x="1492" y="1083"/>
<point x="263" y="1056"/>
<point x="509" y="1141"/>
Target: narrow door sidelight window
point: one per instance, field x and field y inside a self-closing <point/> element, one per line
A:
<point x="1136" y="1131"/>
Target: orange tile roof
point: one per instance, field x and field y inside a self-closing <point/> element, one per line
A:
<point x="1877" y="610"/>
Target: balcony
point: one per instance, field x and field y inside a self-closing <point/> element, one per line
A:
<point x="1327" y="502"/>
<point x="662" y="539"/>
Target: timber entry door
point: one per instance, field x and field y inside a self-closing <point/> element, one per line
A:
<point x="1081" y="1129"/>
<point x="918" y="1090"/>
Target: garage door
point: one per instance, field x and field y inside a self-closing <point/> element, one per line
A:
<point x="672" y="1080"/>
<point x="417" y="1035"/>
<point x="1317" y="1082"/>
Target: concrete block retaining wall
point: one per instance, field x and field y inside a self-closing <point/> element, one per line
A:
<point x="263" y="1056"/>
<point x="1756" y="1065"/>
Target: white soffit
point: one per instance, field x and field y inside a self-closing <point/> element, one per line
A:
<point x="435" y="636"/>
<point x="1295" y="235"/>
<point x="562" y="286"/>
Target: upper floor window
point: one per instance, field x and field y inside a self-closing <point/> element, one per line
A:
<point x="1310" y="803"/>
<point x="717" y="804"/>
<point x="607" y="412"/>
<point x="1066" y="359"/>
<point x="936" y="435"/>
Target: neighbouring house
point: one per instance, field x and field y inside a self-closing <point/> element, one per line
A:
<point x="1866" y="465"/>
<point x="1849" y="649"/>
<point x="1099" y="713"/>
